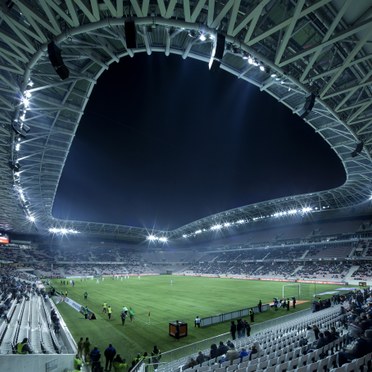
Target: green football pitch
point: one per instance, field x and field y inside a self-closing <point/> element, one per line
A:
<point x="166" y="299"/>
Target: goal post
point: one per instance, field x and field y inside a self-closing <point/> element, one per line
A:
<point x="291" y="290"/>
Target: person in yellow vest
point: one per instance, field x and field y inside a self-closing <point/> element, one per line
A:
<point x="23" y="347"/>
<point x="104" y="308"/>
<point x="78" y="363"/>
<point x="109" y="311"/>
<point x="119" y="364"/>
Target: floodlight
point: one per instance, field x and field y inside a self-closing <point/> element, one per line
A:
<point x="202" y="37"/>
<point x="217" y="51"/>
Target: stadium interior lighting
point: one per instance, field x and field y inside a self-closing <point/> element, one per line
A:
<point x="31" y="218"/>
<point x="18" y="146"/>
<point x="262" y="68"/>
<point x="218" y="226"/>
<point x="202" y="37"/>
<point x="62" y="231"/>
<point x="153" y="238"/>
<point x="250" y="60"/>
<point x="306" y="209"/>
<point x="25" y="102"/>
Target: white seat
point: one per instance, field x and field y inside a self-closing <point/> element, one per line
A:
<point x="262" y="365"/>
<point x="244" y="364"/>
<point x="322" y="364"/>
<point x="301" y="369"/>
<point x="282" y="367"/>
<point x="270" y="369"/>
<point x="236" y="361"/>
<point x="313" y="367"/>
<point x="203" y="368"/>
<point x="252" y="368"/>
<point x="231" y="368"/>
<point x="289" y="356"/>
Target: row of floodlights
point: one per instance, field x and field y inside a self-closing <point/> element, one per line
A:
<point x="21" y="129"/>
<point x="63" y="231"/>
<point x="220" y="226"/>
<point x="202" y="36"/>
<point x="154" y="238"/>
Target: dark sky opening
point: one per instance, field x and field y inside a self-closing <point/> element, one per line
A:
<point x="164" y="141"/>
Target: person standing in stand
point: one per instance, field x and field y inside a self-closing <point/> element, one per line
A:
<point x="233" y="330"/>
<point x="80" y="346"/>
<point x="86" y="349"/>
<point x="247" y="328"/>
<point x="109" y="353"/>
<point x="251" y="315"/>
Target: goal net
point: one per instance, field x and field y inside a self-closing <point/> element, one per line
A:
<point x="291" y="290"/>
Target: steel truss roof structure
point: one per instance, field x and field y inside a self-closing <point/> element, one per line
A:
<point x="321" y="47"/>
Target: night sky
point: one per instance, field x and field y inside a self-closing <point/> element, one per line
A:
<point x="164" y="141"/>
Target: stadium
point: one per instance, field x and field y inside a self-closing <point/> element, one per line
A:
<point x="314" y="58"/>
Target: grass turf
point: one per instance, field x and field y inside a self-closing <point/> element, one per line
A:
<point x="167" y="298"/>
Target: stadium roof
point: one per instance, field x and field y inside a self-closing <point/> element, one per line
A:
<point x="294" y="50"/>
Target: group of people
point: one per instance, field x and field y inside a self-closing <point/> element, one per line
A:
<point x="222" y="353"/>
<point x="93" y="357"/>
<point x="125" y="313"/>
<point x="241" y="328"/>
<point x="113" y="360"/>
<point x="153" y="358"/>
<point x="357" y="318"/>
<point x="357" y="321"/>
<point x="284" y="303"/>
